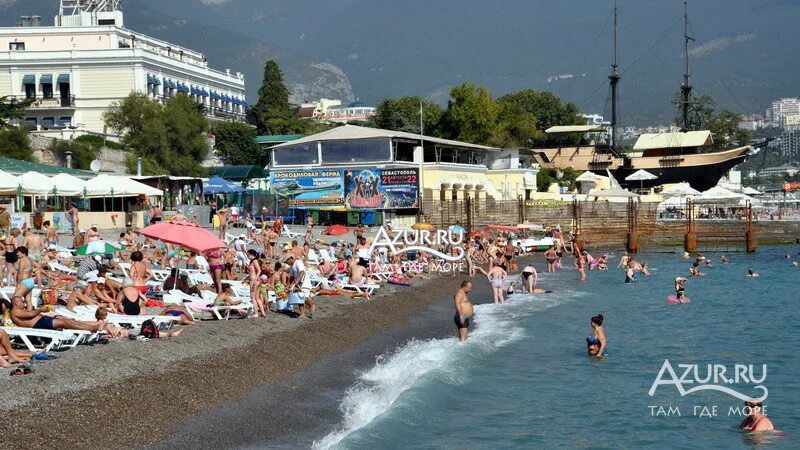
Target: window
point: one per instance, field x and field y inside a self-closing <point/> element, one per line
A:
<point x="47" y="90"/>
<point x="16" y="46"/>
<point x="404" y="151"/>
<point x="30" y="123"/>
<point x="361" y="150"/>
<point x="64" y="121"/>
<point x="106" y="22"/>
<point x="298" y="154"/>
<point x="30" y="91"/>
<point x="48" y="122"/>
<point x="447" y="155"/>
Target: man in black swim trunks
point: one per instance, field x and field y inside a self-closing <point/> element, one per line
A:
<point x="463" y="310"/>
<point x="43" y="320"/>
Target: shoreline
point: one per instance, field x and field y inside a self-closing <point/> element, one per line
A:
<point x="143" y="389"/>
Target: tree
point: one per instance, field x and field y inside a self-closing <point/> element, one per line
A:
<point x="564" y="177"/>
<point x="82" y="153"/>
<point x="14" y="143"/>
<point x="11" y="108"/>
<point x="471" y="115"/>
<point x="170" y="139"/>
<point x="273" y="114"/>
<point x="236" y="144"/>
<point x="525" y="115"/>
<point x="724" y="126"/>
<point x="403" y="114"/>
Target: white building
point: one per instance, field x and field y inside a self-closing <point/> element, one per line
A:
<point x="77" y="68"/>
<point x="777" y="112"/>
<point x="784" y="169"/>
<point x="790" y="143"/>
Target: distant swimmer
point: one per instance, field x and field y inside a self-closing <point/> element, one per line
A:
<point x="680" y="289"/>
<point x="496" y="278"/>
<point x="695" y="270"/>
<point x="597" y="338"/>
<point x="630" y="274"/>
<point x="623" y="261"/>
<point x="752" y="273"/>
<point x="724" y="259"/>
<point x="645" y="270"/>
<point x="463" y="310"/>
<point x="552" y="258"/>
<point x="686" y="255"/>
<point x="794" y="263"/>
<point x="756" y="420"/>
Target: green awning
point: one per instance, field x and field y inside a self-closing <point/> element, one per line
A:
<point x="239" y="173"/>
<point x="63" y="78"/>
<point x="18" y="167"/>
<point x="278" y="138"/>
<point x="46" y="79"/>
<point x="29" y="79"/>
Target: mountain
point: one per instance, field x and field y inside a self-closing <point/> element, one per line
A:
<point x="307" y="77"/>
<point x="741" y="56"/>
<point x="391" y="48"/>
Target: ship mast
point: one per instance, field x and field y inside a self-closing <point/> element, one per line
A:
<point x="686" y="88"/>
<point x="614" y="78"/>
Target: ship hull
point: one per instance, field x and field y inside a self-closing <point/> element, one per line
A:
<point x="701" y="170"/>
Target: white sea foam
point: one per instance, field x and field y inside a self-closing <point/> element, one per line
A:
<point x="395" y="373"/>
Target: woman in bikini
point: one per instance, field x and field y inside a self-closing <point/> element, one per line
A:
<point x="598" y="336"/>
<point x="756" y="420"/>
<point x="496" y="277"/>
<point x="551" y="257"/>
<point x="140" y="273"/>
<point x="253" y="275"/>
<point x="215" y="265"/>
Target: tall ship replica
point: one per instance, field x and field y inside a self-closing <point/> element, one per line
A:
<point x="683" y="156"/>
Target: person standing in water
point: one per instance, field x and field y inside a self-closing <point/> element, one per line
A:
<point x="598" y="336"/>
<point x="497" y="276"/>
<point x="529" y="279"/>
<point x="463" y="310"/>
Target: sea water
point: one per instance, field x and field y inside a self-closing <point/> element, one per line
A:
<point x="524" y="380"/>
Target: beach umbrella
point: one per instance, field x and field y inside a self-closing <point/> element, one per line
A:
<point x="336" y="230"/>
<point x="185" y="234"/>
<point x="100" y="247"/>
<point x="479" y="233"/>
<point x="457" y="229"/>
<point x="423" y="226"/>
<point x="641" y="176"/>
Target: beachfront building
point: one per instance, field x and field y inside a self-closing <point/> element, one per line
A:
<point x="333" y="111"/>
<point x="358" y="169"/>
<point x="87" y="60"/>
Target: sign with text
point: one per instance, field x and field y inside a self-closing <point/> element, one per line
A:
<point x="381" y="188"/>
<point x="309" y="188"/>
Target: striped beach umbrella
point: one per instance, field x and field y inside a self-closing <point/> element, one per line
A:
<point x="100" y="247"/>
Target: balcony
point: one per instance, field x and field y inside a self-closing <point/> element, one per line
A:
<point x="51" y="103"/>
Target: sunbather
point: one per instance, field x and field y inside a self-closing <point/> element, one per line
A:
<point x="42" y="319"/>
<point x="8" y="355"/>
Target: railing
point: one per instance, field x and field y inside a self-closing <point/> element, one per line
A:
<point x="40" y="102"/>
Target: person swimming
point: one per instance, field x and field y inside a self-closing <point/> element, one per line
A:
<point x="630" y="274"/>
<point x="752" y="273"/>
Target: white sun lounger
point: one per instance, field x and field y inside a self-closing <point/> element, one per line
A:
<point x="291" y="234"/>
<point x="218" y="310"/>
<point x="47" y="339"/>
<point x="58" y="267"/>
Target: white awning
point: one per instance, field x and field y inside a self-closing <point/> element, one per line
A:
<point x="679" y="190"/>
<point x="641" y="175"/>
<point x="8" y="183"/>
<point x="34" y="183"/>
<point x="589" y="176"/>
<point x="107" y="185"/>
<point x="649" y="141"/>
<point x="68" y="185"/>
<point x="574" y="129"/>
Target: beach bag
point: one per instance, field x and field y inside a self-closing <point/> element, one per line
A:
<point x="149" y="329"/>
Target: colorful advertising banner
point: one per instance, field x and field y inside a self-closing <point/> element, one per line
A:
<point x="381" y="188"/>
<point x="309" y="188"/>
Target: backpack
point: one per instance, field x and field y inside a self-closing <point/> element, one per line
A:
<point x="149" y="329"/>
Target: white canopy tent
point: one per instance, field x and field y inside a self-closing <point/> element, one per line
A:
<point x="641" y="176"/>
<point x="68" y="185"/>
<point x="116" y="186"/>
<point x="34" y="183"/>
<point x="680" y="190"/>
<point x="718" y="194"/>
<point x="8" y="183"/>
<point x="750" y="191"/>
<point x="614" y="194"/>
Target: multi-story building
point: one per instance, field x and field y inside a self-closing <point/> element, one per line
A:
<point x="777" y="112"/>
<point x="752" y="122"/>
<point x="784" y="169"/>
<point x="790" y="143"/>
<point x="75" y="69"/>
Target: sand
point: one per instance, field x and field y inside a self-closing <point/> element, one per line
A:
<point x="131" y="393"/>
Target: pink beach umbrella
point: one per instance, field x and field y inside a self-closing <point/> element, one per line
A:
<point x="185" y="234"/>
